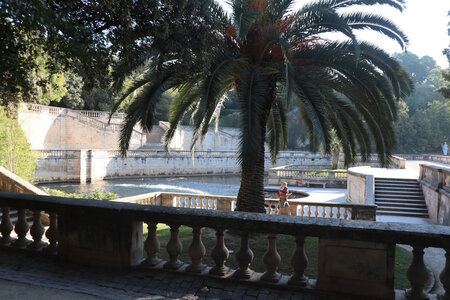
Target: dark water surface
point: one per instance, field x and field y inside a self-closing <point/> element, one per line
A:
<point x="212" y="185"/>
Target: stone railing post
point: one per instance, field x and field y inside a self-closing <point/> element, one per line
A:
<point x="174" y="248"/>
<point x="445" y="276"/>
<point x="21" y="229"/>
<point x="6" y="227"/>
<point x="244" y="258"/>
<point x="36" y="231"/>
<point x="151" y="246"/>
<point x="417" y="275"/>
<point x="271" y="260"/>
<point x="52" y="234"/>
<point x="196" y="251"/>
<point x="220" y="255"/>
<point x="299" y="262"/>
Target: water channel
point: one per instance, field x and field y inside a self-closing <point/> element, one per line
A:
<point x="226" y="185"/>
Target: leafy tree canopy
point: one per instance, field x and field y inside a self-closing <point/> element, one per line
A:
<point x="91" y="35"/>
<point x="15" y="151"/>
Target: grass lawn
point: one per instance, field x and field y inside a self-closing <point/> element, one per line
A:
<point x="258" y="244"/>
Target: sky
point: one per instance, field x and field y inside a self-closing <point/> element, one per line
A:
<point x="425" y="22"/>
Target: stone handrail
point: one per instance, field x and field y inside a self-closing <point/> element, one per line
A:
<point x="301" y="176"/>
<point x="83" y="230"/>
<point x="90" y="118"/>
<point x="299" y="207"/>
<point x="308" y="174"/>
<point x="438" y="158"/>
<point x="435" y="182"/>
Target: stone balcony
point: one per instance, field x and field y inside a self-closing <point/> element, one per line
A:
<point x="356" y="258"/>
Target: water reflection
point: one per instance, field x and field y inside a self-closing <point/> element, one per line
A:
<point x="212" y="185"/>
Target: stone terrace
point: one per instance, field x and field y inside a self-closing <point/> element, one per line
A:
<point x="81" y="282"/>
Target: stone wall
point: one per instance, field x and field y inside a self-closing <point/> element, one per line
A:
<point x="92" y="165"/>
<point x="360" y="186"/>
<point x="10" y="182"/>
<point x="435" y="182"/>
<point x="49" y="127"/>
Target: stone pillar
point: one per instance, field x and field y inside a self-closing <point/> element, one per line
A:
<point x="85" y="166"/>
<point x="362" y="269"/>
<point x="99" y="238"/>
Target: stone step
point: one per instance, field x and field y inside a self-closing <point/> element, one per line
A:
<point x="399" y="192"/>
<point x="395" y="180"/>
<point x="405" y="209"/>
<point x="397" y="200"/>
<point x="399" y="195"/>
<point x="401" y="214"/>
<point x="400" y="204"/>
<point x="398" y="188"/>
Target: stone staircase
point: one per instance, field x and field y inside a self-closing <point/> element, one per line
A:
<point x="400" y="197"/>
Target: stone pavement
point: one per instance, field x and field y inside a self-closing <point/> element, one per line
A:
<point x="32" y="276"/>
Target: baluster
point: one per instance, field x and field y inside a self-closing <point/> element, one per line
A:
<point x="6" y="227"/>
<point x="152" y="246"/>
<point x="324" y="213"/>
<point x="299" y="262"/>
<point x="174" y="248"/>
<point x="214" y="205"/>
<point x="417" y="275"/>
<point x="346" y="213"/>
<point x="198" y="202"/>
<point x="244" y="258"/>
<point x="316" y="214"/>
<point x="52" y="234"/>
<point x="309" y="210"/>
<point x="220" y="255"/>
<point x="21" y="229"/>
<point x="302" y="210"/>
<point x="338" y="214"/>
<point x="36" y="231"/>
<point x="196" y="251"/>
<point x="445" y="276"/>
<point x="331" y="212"/>
<point x="271" y="260"/>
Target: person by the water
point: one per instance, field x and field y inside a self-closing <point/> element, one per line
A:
<point x="283" y="205"/>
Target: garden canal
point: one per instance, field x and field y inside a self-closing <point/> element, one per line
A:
<point x="226" y="185"/>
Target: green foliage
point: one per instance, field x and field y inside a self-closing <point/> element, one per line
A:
<point x="425" y="130"/>
<point x="424" y="117"/>
<point x="74" y="85"/>
<point x="15" y="152"/>
<point x="418" y="68"/>
<point x="96" y="194"/>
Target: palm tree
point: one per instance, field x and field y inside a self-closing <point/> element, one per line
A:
<point x="271" y="55"/>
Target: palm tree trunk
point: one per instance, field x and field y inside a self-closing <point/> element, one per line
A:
<point x="251" y="193"/>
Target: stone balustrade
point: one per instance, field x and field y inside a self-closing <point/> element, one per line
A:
<point x="299" y="207"/>
<point x="356" y="258"/>
<point x="299" y="175"/>
<point x="431" y="157"/>
<point x="435" y="183"/>
<point x="92" y="165"/>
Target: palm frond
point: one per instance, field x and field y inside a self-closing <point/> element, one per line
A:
<point x="253" y="87"/>
<point x="277" y="129"/>
<point x="397" y="4"/>
<point x="361" y="20"/>
<point x="243" y="17"/>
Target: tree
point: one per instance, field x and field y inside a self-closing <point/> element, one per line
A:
<point x="271" y="55"/>
<point x="15" y="152"/>
<point x="418" y="68"/>
<point x="89" y="35"/>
